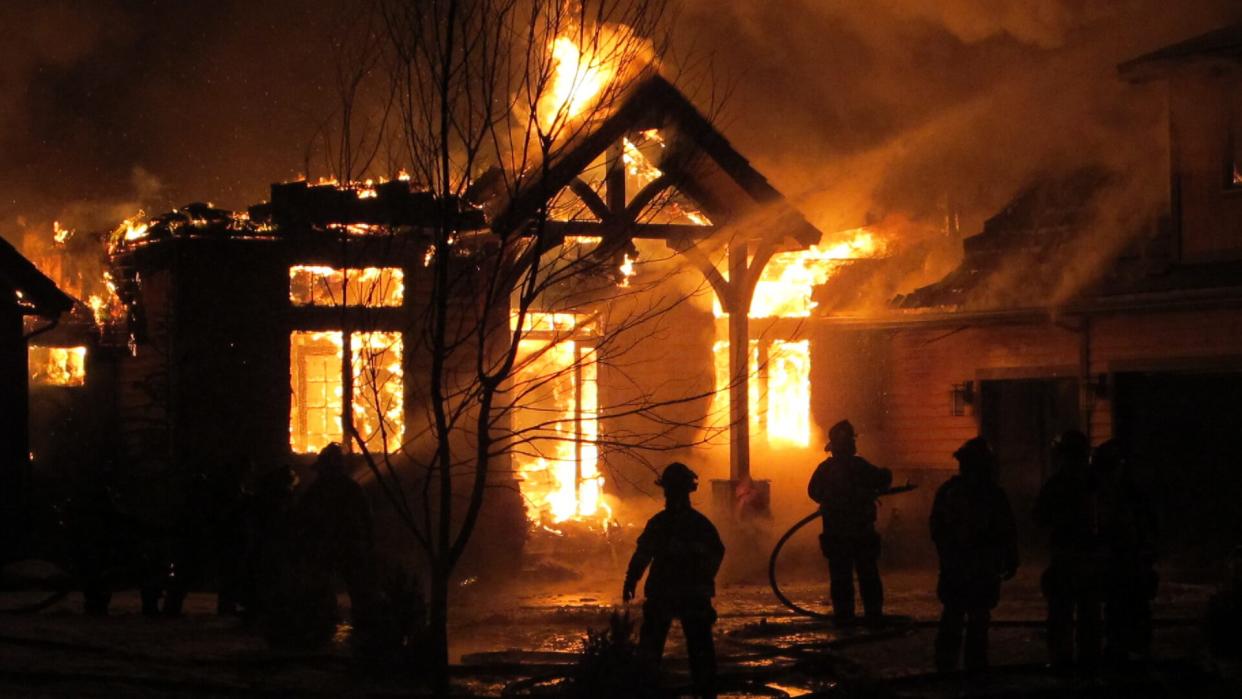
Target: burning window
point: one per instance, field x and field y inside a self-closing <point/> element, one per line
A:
<point x="312" y="285"/>
<point x="779" y="389"/>
<point x="57" y="366"/>
<point x="556" y="422"/>
<point x="317" y="373"/>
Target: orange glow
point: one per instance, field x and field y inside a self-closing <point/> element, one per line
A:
<point x="379" y="401"/>
<point x="314" y="285"/>
<point x="57" y="366"/>
<point x="315" y="371"/>
<point x="778" y="390"/>
<point x="789" y="393"/>
<point x="784" y="290"/>
<point x="134" y="228"/>
<point x="315" y="416"/>
<point x="557" y="423"/>
<point x="780" y="369"/>
<point x="576" y="81"/>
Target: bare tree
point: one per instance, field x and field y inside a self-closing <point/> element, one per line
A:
<point x="482" y="101"/>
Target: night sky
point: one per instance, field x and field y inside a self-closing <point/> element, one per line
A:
<point x="853" y="109"/>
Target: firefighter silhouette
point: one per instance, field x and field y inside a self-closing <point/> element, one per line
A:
<point x="973" y="528"/>
<point x="684" y="552"/>
<point x="1128" y="534"/>
<point x="1068" y="506"/>
<point x="846" y="486"/>
<point x="337" y="525"/>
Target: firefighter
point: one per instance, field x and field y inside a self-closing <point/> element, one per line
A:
<point x="1068" y="507"/>
<point x="846" y="487"/>
<point x="336" y="520"/>
<point x="973" y="528"/>
<point x="684" y="552"/>
<point x="1128" y="531"/>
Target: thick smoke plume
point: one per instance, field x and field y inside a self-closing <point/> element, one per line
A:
<point x="896" y="112"/>
<point x="908" y="110"/>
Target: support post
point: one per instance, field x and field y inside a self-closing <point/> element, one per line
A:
<point x="738" y="307"/>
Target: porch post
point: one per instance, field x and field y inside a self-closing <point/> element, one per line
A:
<point x="738" y="307"/>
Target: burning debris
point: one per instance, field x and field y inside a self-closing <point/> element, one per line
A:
<point x="57" y="366"/>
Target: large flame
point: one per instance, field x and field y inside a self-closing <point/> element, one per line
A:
<point x="57" y="366"/>
<point x="577" y="80"/>
<point x="316" y="372"/>
<point x="779" y="370"/>
<point x="320" y="285"/>
<point x="557" y="421"/>
<point x="786" y="285"/>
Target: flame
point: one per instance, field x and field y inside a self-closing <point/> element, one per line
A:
<point x="558" y="416"/>
<point x="779" y="370"/>
<point x="61" y="235"/>
<point x="377" y="408"/>
<point x="372" y="287"/>
<point x="627" y="270"/>
<point x="134" y="228"/>
<point x="785" y="288"/>
<point x="576" y="81"/>
<point x="57" y="366"/>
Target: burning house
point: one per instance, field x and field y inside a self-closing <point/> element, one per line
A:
<point x="266" y="334"/>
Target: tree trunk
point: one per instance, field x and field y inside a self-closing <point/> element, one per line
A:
<point x="438" y="621"/>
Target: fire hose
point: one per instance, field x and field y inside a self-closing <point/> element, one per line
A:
<point x="780" y="544"/>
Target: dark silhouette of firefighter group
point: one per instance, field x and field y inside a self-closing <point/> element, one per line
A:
<point x="1102" y="562"/>
<point x="1098" y="584"/>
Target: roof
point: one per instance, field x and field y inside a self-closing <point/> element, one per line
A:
<point x="708" y="168"/>
<point x="1038" y="252"/>
<point x="40" y="295"/>
<point x="1224" y="43"/>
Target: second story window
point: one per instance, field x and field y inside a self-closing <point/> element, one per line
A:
<point x="314" y="285"/>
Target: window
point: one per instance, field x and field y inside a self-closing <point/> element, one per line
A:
<point x="779" y="389"/>
<point x="556" y="421"/>
<point x="375" y="383"/>
<point x="311" y="285"/>
<point x="57" y="366"/>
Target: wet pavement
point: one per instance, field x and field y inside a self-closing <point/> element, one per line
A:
<point x="521" y="641"/>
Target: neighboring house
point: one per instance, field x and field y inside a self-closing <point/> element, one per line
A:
<point x="1068" y="312"/>
<point x="24" y="292"/>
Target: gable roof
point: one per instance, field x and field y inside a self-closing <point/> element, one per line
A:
<point x="1222" y="44"/>
<point x="709" y="169"/>
<point x="19" y="274"/>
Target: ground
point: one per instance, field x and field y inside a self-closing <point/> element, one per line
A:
<point x="506" y="640"/>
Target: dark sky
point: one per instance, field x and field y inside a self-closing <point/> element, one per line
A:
<point x="853" y="108"/>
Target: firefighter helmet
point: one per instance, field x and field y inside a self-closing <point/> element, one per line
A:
<point x="678" y="477"/>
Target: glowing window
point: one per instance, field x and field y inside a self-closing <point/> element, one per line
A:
<point x="779" y="390"/>
<point x="318" y="385"/>
<point x="556" y="423"/>
<point x="57" y="366"/>
<point x="311" y="285"/>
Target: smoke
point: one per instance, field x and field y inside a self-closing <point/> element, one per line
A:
<point x="911" y="109"/>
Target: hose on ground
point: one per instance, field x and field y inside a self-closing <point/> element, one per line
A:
<point x="776" y="552"/>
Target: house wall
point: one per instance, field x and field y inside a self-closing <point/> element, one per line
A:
<point x="1205" y="122"/>
<point x="915" y="433"/>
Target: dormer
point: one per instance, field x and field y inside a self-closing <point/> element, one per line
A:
<point x="1204" y="77"/>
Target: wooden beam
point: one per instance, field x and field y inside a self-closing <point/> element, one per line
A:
<point x="646" y="231"/>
